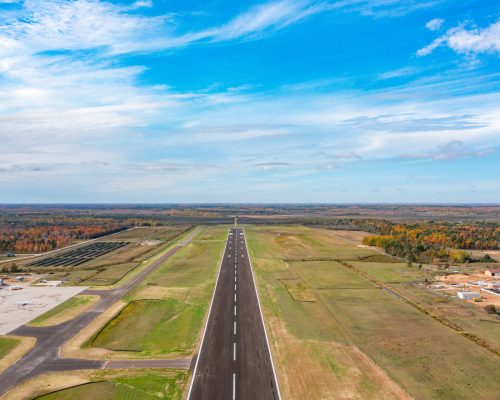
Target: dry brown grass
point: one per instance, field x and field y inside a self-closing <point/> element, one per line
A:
<point x="73" y="348"/>
<point x="327" y="370"/>
<point x="47" y="383"/>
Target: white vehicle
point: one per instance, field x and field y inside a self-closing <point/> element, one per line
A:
<point x="24" y="302"/>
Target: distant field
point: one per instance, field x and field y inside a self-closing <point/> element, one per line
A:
<point x="166" y="312"/>
<point x="7" y="345"/>
<point x="145" y="386"/>
<point x="335" y="334"/>
<point x="65" y="311"/>
<point x="111" y="267"/>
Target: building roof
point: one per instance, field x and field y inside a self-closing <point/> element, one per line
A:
<point x="494" y="271"/>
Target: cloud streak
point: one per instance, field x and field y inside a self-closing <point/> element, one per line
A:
<point x="467" y="41"/>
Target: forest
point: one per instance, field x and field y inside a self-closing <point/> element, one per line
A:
<point x="45" y="238"/>
<point x="409" y="231"/>
<point x="424" y="242"/>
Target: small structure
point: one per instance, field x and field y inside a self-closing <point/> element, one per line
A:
<point x="469" y="295"/>
<point x="1" y="282"/>
<point x="20" y="278"/>
<point x="492" y="272"/>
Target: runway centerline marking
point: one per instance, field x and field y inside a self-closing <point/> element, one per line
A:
<point x="234" y="310"/>
<point x="234" y="328"/>
<point x="234" y="386"/>
<point x="234" y="351"/>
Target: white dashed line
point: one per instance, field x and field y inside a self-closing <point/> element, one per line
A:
<point x="234" y="386"/>
<point x="235" y="297"/>
<point x="234" y="351"/>
<point x="234" y="328"/>
<point x="235" y="287"/>
<point x="234" y="310"/>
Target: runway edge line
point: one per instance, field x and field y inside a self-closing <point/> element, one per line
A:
<point x="208" y="318"/>
<point x="261" y="315"/>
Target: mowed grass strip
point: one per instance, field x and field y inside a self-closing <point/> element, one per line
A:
<point x="166" y="312"/>
<point x="316" y="344"/>
<point x="147" y="386"/>
<point x="151" y="327"/>
<point x="7" y="345"/>
<point x="110" y="275"/>
<point x="65" y="311"/>
<point x="389" y="272"/>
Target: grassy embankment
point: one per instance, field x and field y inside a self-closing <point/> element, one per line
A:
<point x="65" y="311"/>
<point x="140" y="386"/>
<point x="165" y="313"/>
<point x="335" y="334"/>
<point x="7" y="345"/>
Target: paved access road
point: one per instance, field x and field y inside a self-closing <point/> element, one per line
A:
<point x="234" y="360"/>
<point x="44" y="357"/>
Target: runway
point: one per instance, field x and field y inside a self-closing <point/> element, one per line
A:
<point x="44" y="357"/>
<point x="234" y="360"/>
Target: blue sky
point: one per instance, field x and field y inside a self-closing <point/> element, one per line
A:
<point x="224" y="101"/>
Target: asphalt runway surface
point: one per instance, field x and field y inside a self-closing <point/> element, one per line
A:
<point x="234" y="360"/>
<point x="44" y="357"/>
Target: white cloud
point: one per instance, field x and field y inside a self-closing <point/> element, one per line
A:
<point x="397" y="73"/>
<point x="452" y="150"/>
<point x="467" y="41"/>
<point x="143" y="3"/>
<point x="434" y="24"/>
<point x="273" y="15"/>
<point x="272" y="166"/>
<point x="383" y="8"/>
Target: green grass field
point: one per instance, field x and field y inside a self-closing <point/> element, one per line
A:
<point x="72" y="306"/>
<point x="351" y="339"/>
<point x="109" y="275"/>
<point x="152" y="327"/>
<point x="166" y="312"/>
<point x="7" y="345"/>
<point x="146" y="386"/>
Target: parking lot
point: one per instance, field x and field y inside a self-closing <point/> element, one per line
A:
<point x="17" y="307"/>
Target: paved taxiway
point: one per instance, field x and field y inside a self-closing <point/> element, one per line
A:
<point x="44" y="357"/>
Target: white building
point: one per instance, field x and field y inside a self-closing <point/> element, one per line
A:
<point x="469" y="295"/>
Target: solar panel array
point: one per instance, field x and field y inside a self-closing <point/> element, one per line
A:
<point x="79" y="255"/>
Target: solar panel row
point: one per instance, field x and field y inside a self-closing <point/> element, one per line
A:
<point x="78" y="255"/>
